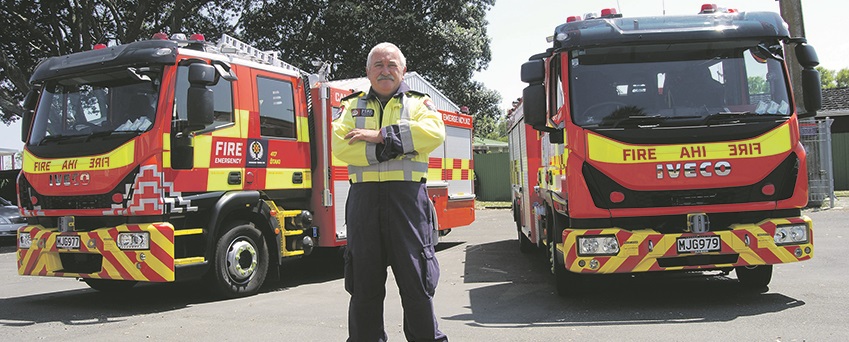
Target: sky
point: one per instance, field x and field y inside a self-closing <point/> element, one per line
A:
<point x="518" y="28"/>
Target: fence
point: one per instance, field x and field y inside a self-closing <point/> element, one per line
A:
<point x="816" y="137"/>
<point x="840" y="160"/>
<point x="493" y="176"/>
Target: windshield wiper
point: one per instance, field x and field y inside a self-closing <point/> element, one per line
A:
<point x="635" y="120"/>
<point x="57" y="138"/>
<point x="737" y="116"/>
<point x="97" y="135"/>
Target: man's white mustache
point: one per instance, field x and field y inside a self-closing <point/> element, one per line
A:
<point x="381" y="78"/>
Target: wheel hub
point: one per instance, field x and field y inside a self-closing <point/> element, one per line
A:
<point x="241" y="260"/>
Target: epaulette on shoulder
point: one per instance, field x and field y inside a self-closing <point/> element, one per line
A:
<point x="417" y="93"/>
<point x="356" y="94"/>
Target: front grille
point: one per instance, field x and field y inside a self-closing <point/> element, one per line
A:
<point x="672" y="224"/>
<point x="783" y="177"/>
<point x="97" y="201"/>
<point x="80" y="262"/>
<point x="76" y="202"/>
<point x="698" y="260"/>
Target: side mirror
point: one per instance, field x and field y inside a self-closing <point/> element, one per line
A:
<point x="812" y="90"/>
<point x="533" y="100"/>
<point x="806" y="55"/>
<point x="533" y="72"/>
<point x="29" y="110"/>
<point x="811" y="86"/>
<point x="199" y="98"/>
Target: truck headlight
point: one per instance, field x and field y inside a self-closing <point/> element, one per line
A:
<point x="134" y="240"/>
<point x="598" y="245"/>
<point x="24" y="240"/>
<point x="791" y="234"/>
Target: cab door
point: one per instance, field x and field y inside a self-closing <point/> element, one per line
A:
<point x="277" y="154"/>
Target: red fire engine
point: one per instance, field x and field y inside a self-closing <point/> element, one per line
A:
<point x="664" y="144"/>
<point x="170" y="159"/>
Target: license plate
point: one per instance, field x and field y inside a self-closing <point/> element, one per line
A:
<point x="699" y="244"/>
<point x="67" y="242"/>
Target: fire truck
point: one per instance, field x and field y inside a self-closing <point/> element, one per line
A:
<point x="176" y="158"/>
<point x="668" y="143"/>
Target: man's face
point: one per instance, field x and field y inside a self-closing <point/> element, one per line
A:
<point x="385" y="72"/>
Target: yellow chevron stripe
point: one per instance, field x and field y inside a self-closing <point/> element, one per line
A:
<point x="193" y="231"/>
<point x="303" y="129"/>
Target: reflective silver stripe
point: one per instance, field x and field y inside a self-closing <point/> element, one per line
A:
<point x="371" y="153"/>
<point x="405" y="165"/>
<point x="406" y="137"/>
<point x="360" y="121"/>
<point x="404" y="126"/>
<point x="405" y="108"/>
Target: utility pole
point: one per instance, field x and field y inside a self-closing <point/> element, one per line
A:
<point x="791" y="11"/>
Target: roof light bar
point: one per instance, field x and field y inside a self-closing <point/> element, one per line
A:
<point x="608" y="12"/>
<point x="708" y="8"/>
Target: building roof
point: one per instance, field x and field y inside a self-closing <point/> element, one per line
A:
<point x="413" y="79"/>
<point x="481" y="144"/>
<point x="835" y="99"/>
<point x="835" y="102"/>
<point x="7" y="151"/>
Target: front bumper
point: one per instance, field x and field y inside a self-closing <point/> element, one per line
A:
<point x="98" y="255"/>
<point x="648" y="250"/>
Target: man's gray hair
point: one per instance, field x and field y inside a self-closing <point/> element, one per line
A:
<point x="386" y="46"/>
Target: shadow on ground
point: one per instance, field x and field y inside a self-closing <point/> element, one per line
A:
<point x="522" y="295"/>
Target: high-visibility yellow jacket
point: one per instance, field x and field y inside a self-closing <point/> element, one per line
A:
<point x="411" y="128"/>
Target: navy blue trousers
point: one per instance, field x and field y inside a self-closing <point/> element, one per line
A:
<point x="389" y="224"/>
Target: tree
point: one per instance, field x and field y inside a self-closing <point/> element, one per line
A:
<point x="826" y="77"/>
<point x="34" y="30"/>
<point x="757" y="85"/>
<point x="493" y="128"/>
<point x="444" y="41"/>
<point x="842" y="78"/>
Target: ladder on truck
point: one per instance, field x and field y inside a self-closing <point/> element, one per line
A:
<point x="232" y="46"/>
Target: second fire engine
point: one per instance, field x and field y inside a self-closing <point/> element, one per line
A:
<point x="667" y="143"/>
<point x="171" y="159"/>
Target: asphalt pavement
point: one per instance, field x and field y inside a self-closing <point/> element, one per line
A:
<point x="488" y="291"/>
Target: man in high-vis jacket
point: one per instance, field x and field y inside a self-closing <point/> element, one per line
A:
<point x="385" y="137"/>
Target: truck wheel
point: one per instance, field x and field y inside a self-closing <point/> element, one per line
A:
<point x="241" y="261"/>
<point x="109" y="285"/>
<point x="754" y="277"/>
<point x="525" y="244"/>
<point x="566" y="283"/>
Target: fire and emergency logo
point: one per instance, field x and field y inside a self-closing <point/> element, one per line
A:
<point x="256" y="153"/>
<point x="256" y="150"/>
<point x="429" y="104"/>
<point x="337" y="112"/>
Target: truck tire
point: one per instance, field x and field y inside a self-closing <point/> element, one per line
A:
<point x="109" y="285"/>
<point x="754" y="277"/>
<point x="566" y="283"/>
<point x="240" y="264"/>
<point x="525" y="244"/>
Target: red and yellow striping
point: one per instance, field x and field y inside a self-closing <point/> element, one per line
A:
<point x="155" y="264"/>
<point x="640" y="250"/>
<point x="456" y="169"/>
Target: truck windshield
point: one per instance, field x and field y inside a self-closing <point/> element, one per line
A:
<point x="94" y="106"/>
<point x="672" y="85"/>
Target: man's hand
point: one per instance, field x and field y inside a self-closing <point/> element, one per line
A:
<point x="367" y="135"/>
